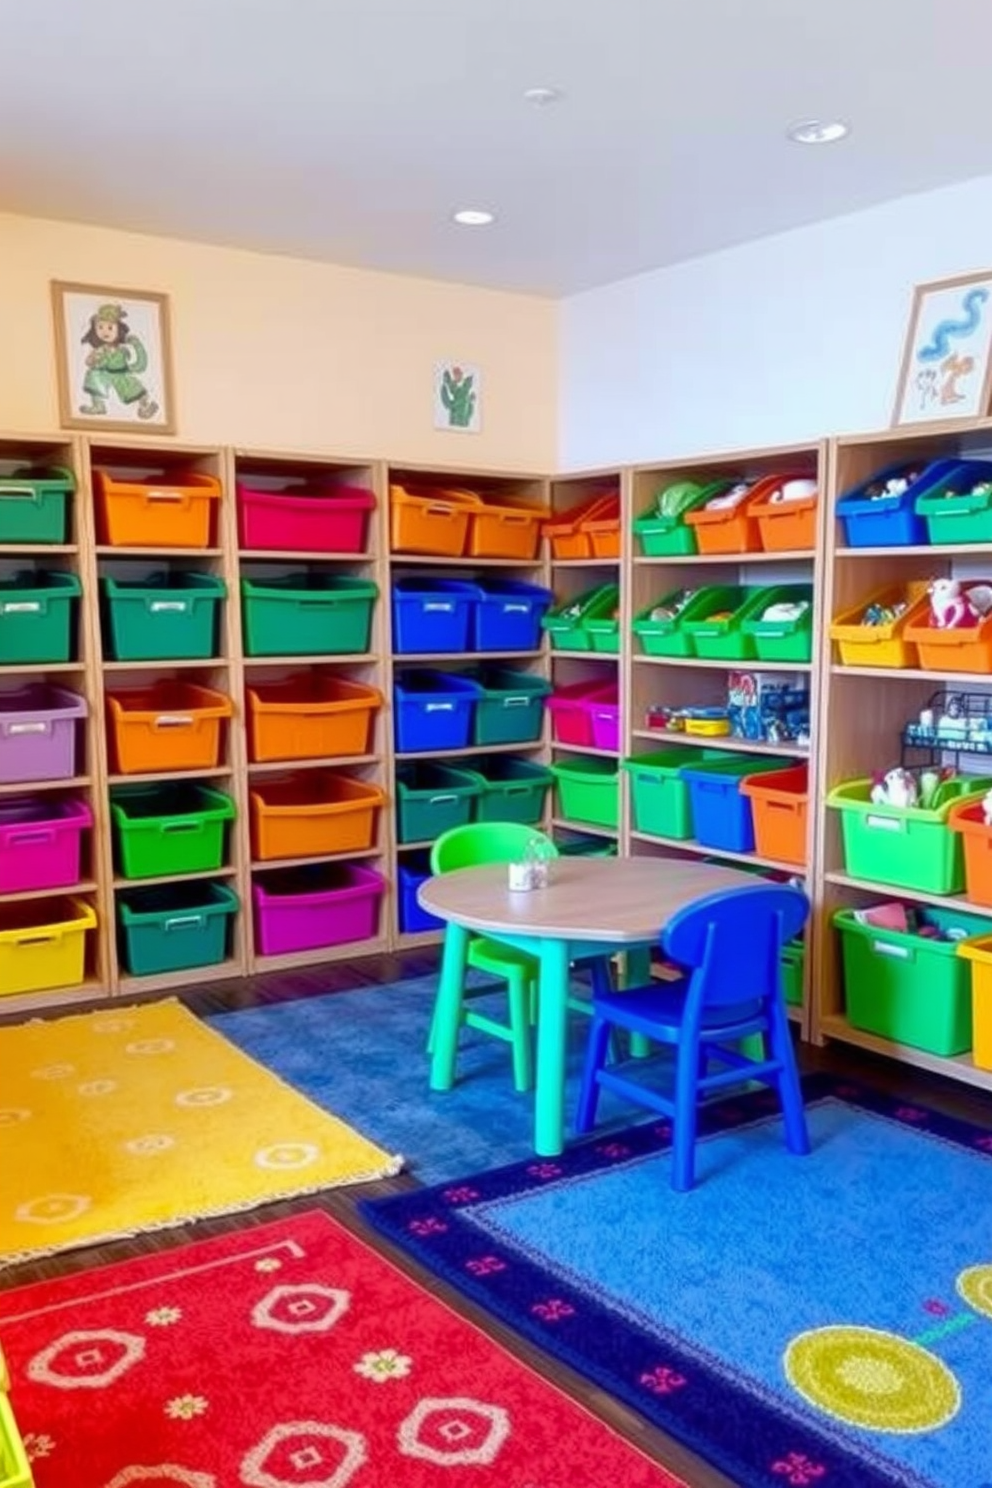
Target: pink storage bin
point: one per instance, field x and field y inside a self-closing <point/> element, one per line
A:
<point x="606" y="724"/>
<point x="572" y="710"/>
<point x="321" y="905"/>
<point x="41" y="843"/>
<point x="285" y="515"/>
<point x="38" y="728"/>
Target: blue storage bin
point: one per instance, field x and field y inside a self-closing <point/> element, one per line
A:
<point x="432" y="615"/>
<point x="433" y="711"/>
<point x="890" y="521"/>
<point x="412" y="872"/>
<point x="508" y="614"/>
<point x="721" y="815"/>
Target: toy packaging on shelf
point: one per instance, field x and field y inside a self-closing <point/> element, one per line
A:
<point x="769" y="708"/>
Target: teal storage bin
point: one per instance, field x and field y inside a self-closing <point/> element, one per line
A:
<point x="175" y="927"/>
<point x="37" y="613"/>
<point x="793" y="971"/>
<point x="717" y="628"/>
<point x="34" y="506"/>
<point x="567" y="624"/>
<point x="661" y="802"/>
<point x="163" y="616"/>
<point x="431" y="799"/>
<point x="510" y="709"/>
<point x="512" y="790"/>
<point x="782" y="640"/>
<point x="315" y="613"/>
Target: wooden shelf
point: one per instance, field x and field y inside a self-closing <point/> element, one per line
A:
<point x="588" y="828"/>
<point x="585" y="562"/>
<point x="913" y="674"/>
<point x="170" y="878"/>
<point x="438" y="658"/>
<point x="22" y="550"/>
<point x="584" y="749"/>
<point x="426" y="560"/>
<point x="186" y="663"/>
<point x="959" y="1067"/>
<point x="724" y="741"/>
<point x="23" y="787"/>
<point x="86" y="886"/>
<point x="918" y="896"/>
<point x="217" y="772"/>
<point x="25" y="668"/>
<point x="434" y="754"/>
<point x="725" y="666"/>
<point x="169" y="981"/>
<point x="332" y="761"/>
<point x="58" y="997"/>
<point x="798" y="555"/>
<point x="414" y="940"/>
<point x="415" y="846"/>
<point x="926" y="550"/>
<point x="754" y="859"/>
<point x="272" y="865"/>
<point x="608" y="656"/>
<point x="353" y="658"/>
<point x="324" y="955"/>
<point x="103" y="550"/>
<point x="296" y="555"/>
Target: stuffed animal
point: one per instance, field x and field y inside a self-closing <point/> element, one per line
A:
<point x="895" y="788"/>
<point x="950" y="607"/>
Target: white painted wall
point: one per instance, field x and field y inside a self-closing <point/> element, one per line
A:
<point x="778" y="341"/>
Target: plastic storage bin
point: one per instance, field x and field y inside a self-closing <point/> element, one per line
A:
<point x="165" y="616"/>
<point x="909" y="988"/>
<point x="43" y="944"/>
<point x="602" y="625"/>
<point x="307" y="614"/>
<point x="507" y="615"/>
<point x="782" y="640"/>
<point x="661" y="803"/>
<point x="732" y="529"/>
<point x="721" y="815"/>
<point x="313" y="815"/>
<point x="591" y="530"/>
<point x="432" y="615"/>
<point x="430" y="521"/>
<point x="167" y="726"/>
<point x="34" y="506"/>
<point x="786" y="516"/>
<point x="501" y="530"/>
<point x="871" y="519"/>
<point x="510" y="708"/>
<point x="588" y="790"/>
<point x="155" y="511"/>
<point x="431" y="799"/>
<point x="172" y="827"/>
<point x="967" y="818"/>
<point x="411" y="873"/>
<point x="604" y="716"/>
<point x="571" y="710"/>
<point x="664" y="532"/>
<point x="880" y="645"/>
<point x="906" y="846"/>
<point x="311" y="716"/>
<point x="962" y="649"/>
<point x="978" y="956"/>
<point x="38" y="732"/>
<point x="279" y="515"/>
<point x="566" y="623"/>
<point x="37" y="611"/>
<point x="953" y="511"/>
<point x="716" y="630"/>
<point x="433" y="711"/>
<point x="175" y="927"/>
<point x="513" y="790"/>
<point x="779" y="804"/>
<point x="660" y="627"/>
<point x="15" y="1470"/>
<point x="793" y="971"/>
<point x="326" y="904"/>
<point x="41" y="843"/>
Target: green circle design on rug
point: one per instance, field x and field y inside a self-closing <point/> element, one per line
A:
<point x="975" y="1287"/>
<point x="872" y="1379"/>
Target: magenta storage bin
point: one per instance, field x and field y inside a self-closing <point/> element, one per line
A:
<point x="605" y="718"/>
<point x="41" y="843"/>
<point x="573" y="708"/>
<point x="38" y="725"/>
<point x="322" y="904"/>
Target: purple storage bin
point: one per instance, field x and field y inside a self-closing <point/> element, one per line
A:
<point x="605" y="718"/>
<point x="38" y="732"/>
<point x="41" y="843"/>
<point x="306" y="909"/>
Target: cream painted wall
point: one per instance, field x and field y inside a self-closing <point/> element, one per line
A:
<point x="279" y="353"/>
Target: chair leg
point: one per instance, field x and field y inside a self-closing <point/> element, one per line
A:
<point x="684" y="1121"/>
<point x="518" y="994"/>
<point x="599" y="1039"/>
<point x="790" y="1090"/>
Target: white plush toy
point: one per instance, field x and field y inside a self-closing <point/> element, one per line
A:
<point x="949" y="606"/>
<point x="895" y="788"/>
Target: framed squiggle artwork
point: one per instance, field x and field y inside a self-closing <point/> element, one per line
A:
<point x="946" y="368"/>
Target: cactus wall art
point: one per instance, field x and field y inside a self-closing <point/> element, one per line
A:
<point x="458" y="397"/>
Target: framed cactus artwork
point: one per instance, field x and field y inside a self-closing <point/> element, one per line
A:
<point x="458" y="397"/>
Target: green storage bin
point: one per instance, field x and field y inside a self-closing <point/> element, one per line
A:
<point x="431" y="799"/>
<point x="176" y="827"/>
<point x="663" y="635"/>
<point x="585" y="847"/>
<point x="725" y="639"/>
<point x="793" y="963"/>
<point x="663" y="532"/>
<point x="602" y="624"/>
<point x="906" y="987"/>
<point x="783" y="640"/>
<point x="588" y="790"/>
<point x="511" y="790"/>
<point x="906" y="846"/>
<point x="34" y="506"/>
<point x="659" y="798"/>
<point x="175" y="927"/>
<point x="961" y="517"/>
<point x="162" y="616"/>
<point x="36" y="617"/>
<point x="510" y="709"/>
<point x="308" y="614"/>
<point x="566" y="623"/>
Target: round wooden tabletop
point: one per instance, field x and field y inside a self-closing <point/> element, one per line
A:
<point x="621" y="900"/>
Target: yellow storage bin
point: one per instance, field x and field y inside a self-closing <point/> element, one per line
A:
<point x="880" y="645"/>
<point x="15" y="1470"/>
<point x="979" y="953"/>
<point x="43" y="944"/>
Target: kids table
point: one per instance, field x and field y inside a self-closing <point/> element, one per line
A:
<point x="590" y="907"/>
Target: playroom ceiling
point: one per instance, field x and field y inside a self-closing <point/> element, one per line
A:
<point x="350" y="130"/>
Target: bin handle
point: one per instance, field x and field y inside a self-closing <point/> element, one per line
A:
<point x="21" y="607"/>
<point x="178" y="496"/>
<point x="27" y="728"/>
<point x="173" y="720"/>
<point x="885" y="823"/>
<point x="438" y="606"/>
<point x="437" y="510"/>
<point x="901" y="953"/>
<point x="21" y="493"/>
<point x="436" y="800"/>
<point x="516" y="609"/>
<point x="40" y="939"/>
<point x="183" y="922"/>
<point x="516" y="702"/>
<point x="159" y="606"/>
<point x="439" y="707"/>
<point x="181" y="825"/>
<point x="37" y="834"/>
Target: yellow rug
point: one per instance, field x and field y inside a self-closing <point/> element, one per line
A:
<point x="116" y="1122"/>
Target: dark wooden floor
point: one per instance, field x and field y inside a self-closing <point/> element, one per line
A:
<point x="957" y="1100"/>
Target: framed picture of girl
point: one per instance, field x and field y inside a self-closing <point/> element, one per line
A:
<point x="114" y="359"/>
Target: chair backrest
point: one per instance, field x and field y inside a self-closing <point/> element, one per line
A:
<point x="732" y="941"/>
<point x="485" y="842"/>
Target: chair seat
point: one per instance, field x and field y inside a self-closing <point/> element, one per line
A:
<point x="663" y="1007"/>
<point x="490" y="955"/>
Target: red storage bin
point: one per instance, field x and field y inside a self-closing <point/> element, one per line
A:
<point x="572" y="710"/>
<point x="292" y="516"/>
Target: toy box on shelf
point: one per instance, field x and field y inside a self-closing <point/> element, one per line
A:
<point x="769" y="707"/>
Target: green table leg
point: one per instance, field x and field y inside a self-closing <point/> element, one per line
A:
<point x="637" y="973"/>
<point x="552" y="1030"/>
<point x="448" y="1007"/>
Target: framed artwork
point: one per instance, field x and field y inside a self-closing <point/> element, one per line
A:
<point x="114" y="359"/>
<point x="946" y="368"/>
<point x="458" y="397"/>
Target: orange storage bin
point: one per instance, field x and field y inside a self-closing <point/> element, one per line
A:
<point x="733" y="529"/>
<point x="963" y="649"/>
<point x="313" y="816"/>
<point x="968" y="818"/>
<point x="167" y="726"/>
<point x="786" y="526"/>
<point x="310" y="716"/>
<point x="155" y="511"/>
<point x="430" y="520"/>
<point x="589" y="531"/>
<point x="501" y="531"/>
<point x="779" y="803"/>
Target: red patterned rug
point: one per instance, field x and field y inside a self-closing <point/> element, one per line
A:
<point x="285" y="1356"/>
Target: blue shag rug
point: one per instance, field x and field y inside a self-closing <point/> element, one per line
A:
<point x="362" y="1055"/>
<point x="819" y="1322"/>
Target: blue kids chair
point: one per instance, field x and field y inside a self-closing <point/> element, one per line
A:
<point x="730" y="945"/>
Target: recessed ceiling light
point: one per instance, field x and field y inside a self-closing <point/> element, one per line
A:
<point x="818" y="132"/>
<point x="542" y="97"/>
<point x="473" y="217"/>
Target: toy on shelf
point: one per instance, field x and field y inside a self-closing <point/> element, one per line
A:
<point x="786" y="610"/>
<point x="672" y="607"/>
<point x="952" y="607"/>
<point x="908" y="920"/>
<point x="896" y="787"/>
<point x="951" y="723"/>
<point x="896" y="485"/>
<point x="884" y="614"/>
<point x="953" y="631"/>
<point x="767" y="707"/>
<point x="704" y="722"/>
